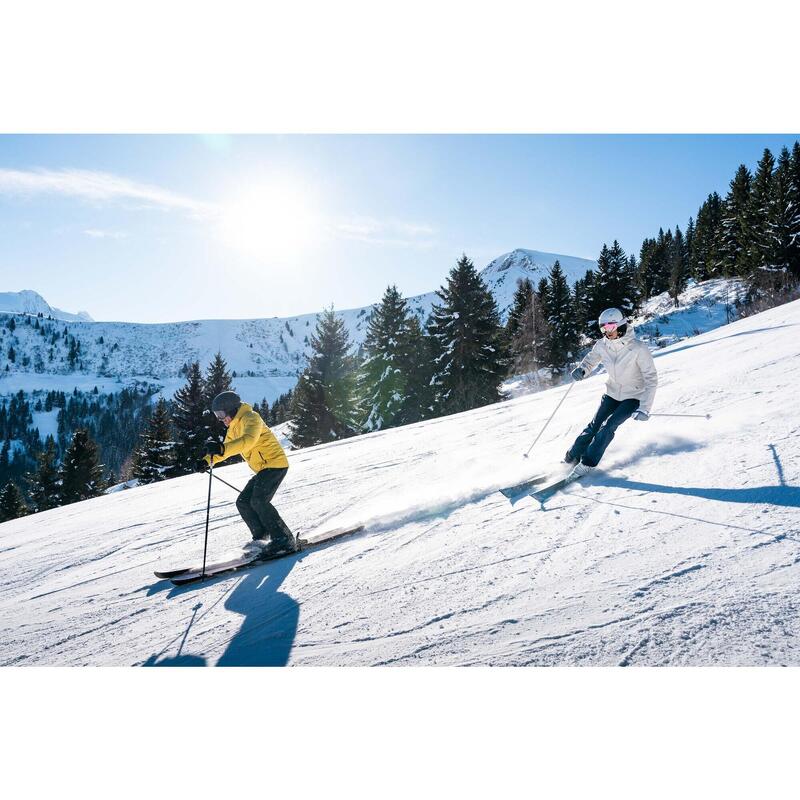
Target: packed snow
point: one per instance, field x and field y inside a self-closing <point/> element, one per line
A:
<point x="683" y="549"/>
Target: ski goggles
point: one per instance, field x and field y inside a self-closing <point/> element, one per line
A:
<point x="607" y="327"/>
<point x="220" y="414"/>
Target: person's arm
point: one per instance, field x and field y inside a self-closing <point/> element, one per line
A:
<point x="650" y="376"/>
<point x="251" y="430"/>
<point x="591" y="360"/>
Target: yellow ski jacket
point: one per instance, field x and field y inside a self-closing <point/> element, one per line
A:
<point x="249" y="437"/>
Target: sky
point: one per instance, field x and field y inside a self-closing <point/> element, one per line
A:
<point x="163" y="228"/>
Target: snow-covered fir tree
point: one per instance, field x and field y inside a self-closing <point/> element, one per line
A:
<point x="469" y="361"/>
<point x="417" y="366"/>
<point x="324" y="406"/>
<point x="762" y="200"/>
<point x="188" y="406"/>
<point x="526" y="330"/>
<point x="613" y="286"/>
<point x="81" y="473"/>
<point x="679" y="265"/>
<point x="12" y="503"/>
<point x="382" y="381"/>
<point x="45" y="483"/>
<point x="704" y="257"/>
<point x="786" y="219"/>
<point x="736" y="239"/>
<point x="217" y="380"/>
<point x="154" y="458"/>
<point x="562" y="335"/>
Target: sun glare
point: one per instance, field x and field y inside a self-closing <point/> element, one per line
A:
<point x="269" y="222"/>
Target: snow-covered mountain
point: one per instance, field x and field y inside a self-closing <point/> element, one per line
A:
<point x="266" y="354"/>
<point x="682" y="550"/>
<point x="30" y="302"/>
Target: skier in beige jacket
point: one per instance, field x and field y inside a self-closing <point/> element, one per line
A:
<point x="630" y="388"/>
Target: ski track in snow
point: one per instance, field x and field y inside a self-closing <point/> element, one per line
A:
<point x="683" y="550"/>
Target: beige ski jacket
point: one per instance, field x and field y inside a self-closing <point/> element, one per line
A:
<point x="631" y="370"/>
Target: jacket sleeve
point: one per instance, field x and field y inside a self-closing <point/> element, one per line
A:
<point x="591" y="359"/>
<point x="251" y="430"/>
<point x="650" y="376"/>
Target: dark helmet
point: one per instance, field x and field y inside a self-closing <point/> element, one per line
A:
<point x="227" y="404"/>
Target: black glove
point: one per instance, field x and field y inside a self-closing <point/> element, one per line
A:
<point x="201" y="465"/>
<point x="578" y="374"/>
<point x="214" y="447"/>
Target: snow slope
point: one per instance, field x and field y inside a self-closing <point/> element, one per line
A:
<point x="684" y="550"/>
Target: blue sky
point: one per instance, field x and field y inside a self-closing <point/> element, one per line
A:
<point x="161" y="228"/>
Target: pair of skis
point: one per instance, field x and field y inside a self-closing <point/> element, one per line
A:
<point x="185" y="575"/>
<point x="541" y="488"/>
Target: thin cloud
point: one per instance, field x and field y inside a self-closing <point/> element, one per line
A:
<point x="391" y="232"/>
<point x="96" y="233"/>
<point x="102" y="187"/>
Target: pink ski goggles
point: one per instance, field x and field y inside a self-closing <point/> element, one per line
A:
<point x="609" y="326"/>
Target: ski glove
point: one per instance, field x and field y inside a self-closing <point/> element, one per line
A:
<point x="214" y="448"/>
<point x="577" y="374"/>
<point x="641" y="416"/>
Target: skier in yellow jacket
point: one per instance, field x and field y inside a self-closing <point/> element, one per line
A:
<point x="248" y="436"/>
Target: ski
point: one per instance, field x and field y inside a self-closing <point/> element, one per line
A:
<point x="516" y="493"/>
<point x="184" y="575"/>
<point x="545" y="493"/>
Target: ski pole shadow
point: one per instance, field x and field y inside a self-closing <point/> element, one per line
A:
<point x="782" y="495"/>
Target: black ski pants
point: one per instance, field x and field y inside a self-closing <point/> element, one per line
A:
<point x="597" y="435"/>
<point x="256" y="509"/>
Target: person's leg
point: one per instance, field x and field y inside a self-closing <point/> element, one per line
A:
<point x="249" y="514"/>
<point x="607" y="407"/>
<point x="266" y="484"/>
<point x="594" y="452"/>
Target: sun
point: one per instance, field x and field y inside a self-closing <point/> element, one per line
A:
<point x="269" y="222"/>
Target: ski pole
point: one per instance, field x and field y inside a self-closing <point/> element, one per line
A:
<point x="551" y="417"/>
<point x="221" y="480"/>
<point x="703" y="416"/>
<point x="208" y="514"/>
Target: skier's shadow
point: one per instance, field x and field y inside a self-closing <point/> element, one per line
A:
<point x="270" y="618"/>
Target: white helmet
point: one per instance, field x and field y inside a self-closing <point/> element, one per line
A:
<point x="611" y="316"/>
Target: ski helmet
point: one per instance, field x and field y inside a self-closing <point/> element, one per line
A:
<point x="612" y="319"/>
<point x="227" y="404"/>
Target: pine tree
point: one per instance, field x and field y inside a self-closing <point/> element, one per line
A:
<point x="613" y="287"/>
<point x="783" y="230"/>
<point x="382" y="381"/>
<point x="736" y="238"/>
<point x="528" y="334"/>
<point x="417" y="366"/>
<point x="562" y="337"/>
<point x="794" y="214"/>
<point x="631" y="273"/>
<point x="324" y="404"/>
<point x="154" y="458"/>
<point x="12" y="503"/>
<point x="679" y="266"/>
<point x="523" y="299"/>
<point x="81" y="474"/>
<point x="704" y="258"/>
<point x="217" y="380"/>
<point x="762" y="245"/>
<point x="469" y="361"/>
<point x="188" y="405"/>
<point x="45" y="484"/>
